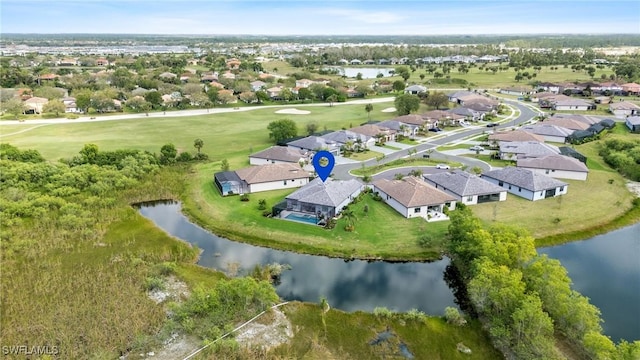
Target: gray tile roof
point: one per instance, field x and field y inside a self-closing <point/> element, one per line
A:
<point x="311" y="143"/>
<point x="524" y="178"/>
<point x="515" y="135"/>
<point x="394" y="124"/>
<point x="624" y="105"/>
<point x="413" y="192"/>
<point x="633" y="120"/>
<point x="528" y="148"/>
<point x="281" y="153"/>
<point x="271" y="172"/>
<point x="553" y="162"/>
<point x="343" y="136"/>
<point x="463" y="183"/>
<point x="329" y="193"/>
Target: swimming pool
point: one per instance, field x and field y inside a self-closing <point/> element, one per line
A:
<point x="309" y="219"/>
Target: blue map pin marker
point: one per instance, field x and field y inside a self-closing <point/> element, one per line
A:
<point x="323" y="167"/>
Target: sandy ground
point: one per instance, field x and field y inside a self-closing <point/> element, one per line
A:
<point x="293" y="112"/>
<point x="634" y="187"/>
<point x="388" y="110"/>
<point x="174" y="289"/>
<point x="278" y="331"/>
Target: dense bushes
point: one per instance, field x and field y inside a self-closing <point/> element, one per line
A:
<point x="523" y="297"/>
<point x="623" y="155"/>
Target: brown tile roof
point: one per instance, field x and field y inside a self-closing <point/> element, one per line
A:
<point x="441" y="114"/>
<point x="371" y="130"/>
<point x="281" y="153"/>
<point x="515" y="135"/>
<point x="567" y="123"/>
<point x="411" y="119"/>
<point x="413" y="192"/>
<point x="271" y="172"/>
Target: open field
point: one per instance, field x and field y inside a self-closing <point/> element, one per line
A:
<point x="348" y="336"/>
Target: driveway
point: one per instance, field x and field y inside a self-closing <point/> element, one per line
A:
<point x="381" y="149"/>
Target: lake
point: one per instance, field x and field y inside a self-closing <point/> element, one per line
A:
<point x="347" y="285"/>
<point x="606" y="269"/>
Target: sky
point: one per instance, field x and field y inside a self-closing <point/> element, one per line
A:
<point x="328" y="17"/>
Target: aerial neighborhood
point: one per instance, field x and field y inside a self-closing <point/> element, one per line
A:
<point x="258" y="196"/>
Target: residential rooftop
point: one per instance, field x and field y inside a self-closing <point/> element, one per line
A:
<point x="524" y="178"/>
<point x="463" y="183"/>
<point x="413" y="192"/>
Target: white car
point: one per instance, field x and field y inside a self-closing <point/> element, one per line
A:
<point x="443" y="166"/>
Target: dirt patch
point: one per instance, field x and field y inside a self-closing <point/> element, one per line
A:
<point x="634" y="187"/>
<point x="177" y="347"/>
<point x="266" y="334"/>
<point x="293" y="112"/>
<point x="388" y="110"/>
<point x="174" y="290"/>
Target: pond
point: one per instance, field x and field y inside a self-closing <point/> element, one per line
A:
<point x="606" y="269"/>
<point x="367" y="72"/>
<point x="347" y="285"/>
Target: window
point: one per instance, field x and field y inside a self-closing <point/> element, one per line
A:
<point x="500" y="183"/>
<point x="562" y="189"/>
<point x="546" y="171"/>
<point x="469" y="198"/>
<point x="416" y="210"/>
<point x="285" y="182"/>
<point x="519" y="189"/>
<point x="509" y="187"/>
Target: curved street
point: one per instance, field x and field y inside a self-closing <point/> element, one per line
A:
<point x="342" y="171"/>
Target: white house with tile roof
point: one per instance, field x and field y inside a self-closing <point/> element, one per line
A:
<point x="556" y="166"/>
<point x="280" y="155"/>
<point x="549" y="132"/>
<point x="514" y="150"/>
<point x="272" y="177"/>
<point x="526" y="183"/>
<point x="413" y="197"/>
<point x="324" y="198"/>
<point x="468" y="189"/>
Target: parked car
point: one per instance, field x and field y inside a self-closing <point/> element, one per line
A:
<point x="443" y="166"/>
<point x="492" y="124"/>
<point x="435" y="129"/>
<point x="476" y="148"/>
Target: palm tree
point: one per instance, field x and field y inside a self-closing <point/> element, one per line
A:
<point x="368" y="108"/>
<point x="350" y="219"/>
<point x="198" y="144"/>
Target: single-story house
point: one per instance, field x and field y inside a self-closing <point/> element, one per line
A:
<point x="324" y="198"/>
<point x="519" y="91"/>
<point x="315" y="143"/>
<point x="468" y="113"/>
<point x="412" y="197"/>
<point x="443" y="117"/>
<point x="551" y="133"/>
<point x="514" y="135"/>
<point x="631" y="88"/>
<point x="257" y="85"/>
<point x="633" y="123"/>
<point x="556" y="166"/>
<point x="623" y="109"/>
<point x="35" y="104"/>
<point x="400" y="127"/>
<point x="579" y="136"/>
<point x="380" y="133"/>
<point x="608" y="123"/>
<point x="349" y="138"/>
<point x="567" y="123"/>
<point x="514" y="150"/>
<point x="273" y="177"/>
<point x="261" y="178"/>
<point x="526" y="183"/>
<point x="549" y="87"/>
<point x="467" y="188"/>
<point x="596" y="128"/>
<point x="415" y="89"/>
<point x="572" y="104"/>
<point x="280" y="155"/>
<point x="304" y="83"/>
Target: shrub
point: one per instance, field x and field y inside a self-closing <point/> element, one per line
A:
<point x="153" y="283"/>
<point x="266" y="213"/>
<point x="262" y="204"/>
<point x="184" y="157"/>
<point x="425" y="241"/>
<point x="383" y="313"/>
<point x="244" y="197"/>
<point x="452" y="315"/>
<point x="415" y="315"/>
<point x="71" y="116"/>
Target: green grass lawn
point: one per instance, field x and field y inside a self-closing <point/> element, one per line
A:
<point x="416" y="161"/>
<point x="379" y="233"/>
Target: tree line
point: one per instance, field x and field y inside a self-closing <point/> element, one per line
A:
<point x="524" y="298"/>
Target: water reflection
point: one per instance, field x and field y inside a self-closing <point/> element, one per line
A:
<point x="347" y="285"/>
<point x="606" y="269"/>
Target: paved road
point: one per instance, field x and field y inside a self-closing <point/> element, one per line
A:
<point x="526" y="113"/>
